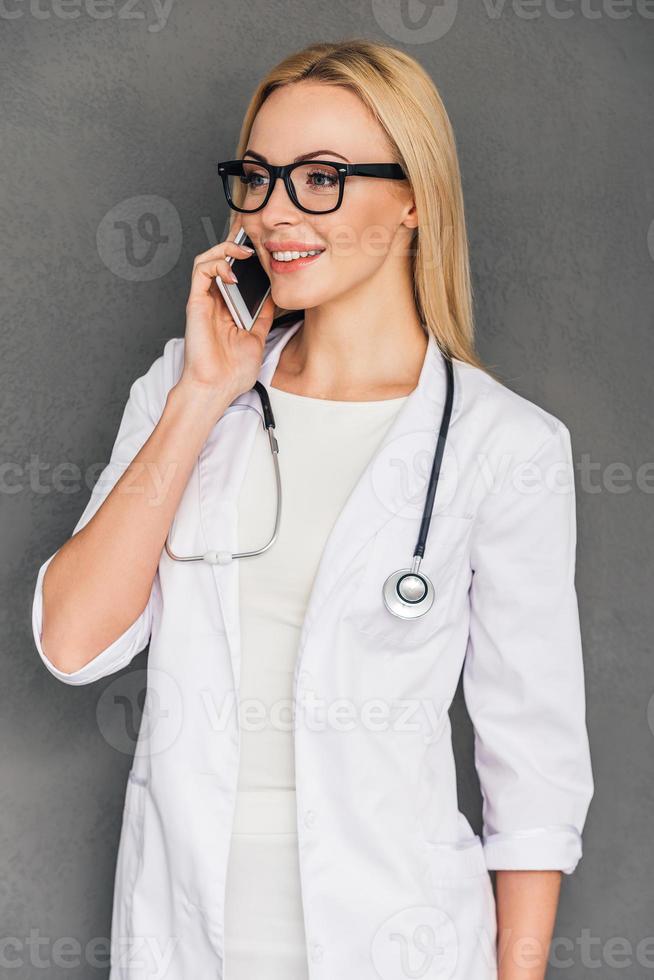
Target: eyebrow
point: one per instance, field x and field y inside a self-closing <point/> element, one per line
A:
<point x="303" y="156"/>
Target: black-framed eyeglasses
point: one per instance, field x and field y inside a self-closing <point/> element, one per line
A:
<point x="314" y="186"/>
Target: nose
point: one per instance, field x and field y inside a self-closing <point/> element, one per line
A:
<point x="279" y="206"/>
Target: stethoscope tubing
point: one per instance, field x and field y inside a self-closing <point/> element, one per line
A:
<point x="419" y="551"/>
<point x="407" y="593"/>
<point x="224" y="557"/>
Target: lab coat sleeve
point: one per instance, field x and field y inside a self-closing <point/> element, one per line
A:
<point x="140" y="416"/>
<point x="523" y="678"/>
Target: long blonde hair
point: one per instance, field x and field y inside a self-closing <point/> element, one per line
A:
<point x="403" y="98"/>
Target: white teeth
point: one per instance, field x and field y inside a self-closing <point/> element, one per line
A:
<point x="289" y="256"/>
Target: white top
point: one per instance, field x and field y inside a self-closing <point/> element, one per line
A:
<point x="324" y="446"/>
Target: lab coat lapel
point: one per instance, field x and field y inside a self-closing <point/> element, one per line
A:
<point x="222" y="465"/>
<point x="390" y="485"/>
<point x="382" y="492"/>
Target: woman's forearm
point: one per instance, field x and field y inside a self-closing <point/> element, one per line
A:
<point x="527" y="902"/>
<point x="100" y="580"/>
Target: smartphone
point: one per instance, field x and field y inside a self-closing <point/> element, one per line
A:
<point x="245" y="298"/>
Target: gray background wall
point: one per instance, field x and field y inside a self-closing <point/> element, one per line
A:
<point x="107" y="119"/>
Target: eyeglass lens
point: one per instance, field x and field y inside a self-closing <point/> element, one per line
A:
<point x="316" y="185"/>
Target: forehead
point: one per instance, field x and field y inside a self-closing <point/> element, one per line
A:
<point x="307" y="116"/>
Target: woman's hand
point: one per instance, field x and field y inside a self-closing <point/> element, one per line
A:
<point x="219" y="356"/>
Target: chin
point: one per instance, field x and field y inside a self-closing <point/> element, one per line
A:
<point x="295" y="297"/>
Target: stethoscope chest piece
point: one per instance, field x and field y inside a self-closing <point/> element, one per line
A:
<point x="408" y="594"/>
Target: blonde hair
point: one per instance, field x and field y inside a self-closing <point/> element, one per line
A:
<point x="403" y="98"/>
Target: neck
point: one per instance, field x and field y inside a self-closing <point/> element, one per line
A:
<point x="354" y="349"/>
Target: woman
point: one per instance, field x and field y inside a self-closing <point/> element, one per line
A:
<point x="322" y="837"/>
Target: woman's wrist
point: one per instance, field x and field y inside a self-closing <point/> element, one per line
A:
<point x="203" y="404"/>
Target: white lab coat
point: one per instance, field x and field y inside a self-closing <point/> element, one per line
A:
<point x="393" y="878"/>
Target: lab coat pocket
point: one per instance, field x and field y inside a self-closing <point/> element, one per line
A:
<point x="453" y="862"/>
<point x="392" y="549"/>
<point x="459" y="887"/>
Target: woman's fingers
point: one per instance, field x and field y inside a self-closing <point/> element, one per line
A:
<point x="221" y="250"/>
<point x="207" y="266"/>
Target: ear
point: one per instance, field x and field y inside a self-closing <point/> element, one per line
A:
<point x="410" y="218"/>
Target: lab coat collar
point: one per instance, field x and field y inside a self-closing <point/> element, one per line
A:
<point x="380" y="494"/>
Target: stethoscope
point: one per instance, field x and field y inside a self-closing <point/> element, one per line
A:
<point x="408" y="593"/>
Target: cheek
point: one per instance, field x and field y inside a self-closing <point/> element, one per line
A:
<point x="361" y="243"/>
<point x="359" y="239"/>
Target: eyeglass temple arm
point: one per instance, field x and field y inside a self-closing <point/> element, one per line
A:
<point x="389" y="171"/>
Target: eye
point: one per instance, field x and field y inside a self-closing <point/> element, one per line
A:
<point x="319" y="179"/>
<point x="254" y="179"/>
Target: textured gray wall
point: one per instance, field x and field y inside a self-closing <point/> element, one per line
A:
<point x="112" y="112"/>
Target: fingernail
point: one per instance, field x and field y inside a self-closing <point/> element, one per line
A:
<point x="246" y="248"/>
<point x="232" y="277"/>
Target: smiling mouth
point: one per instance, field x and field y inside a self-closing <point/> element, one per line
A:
<point x="285" y="254"/>
<point x="293" y="261"/>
